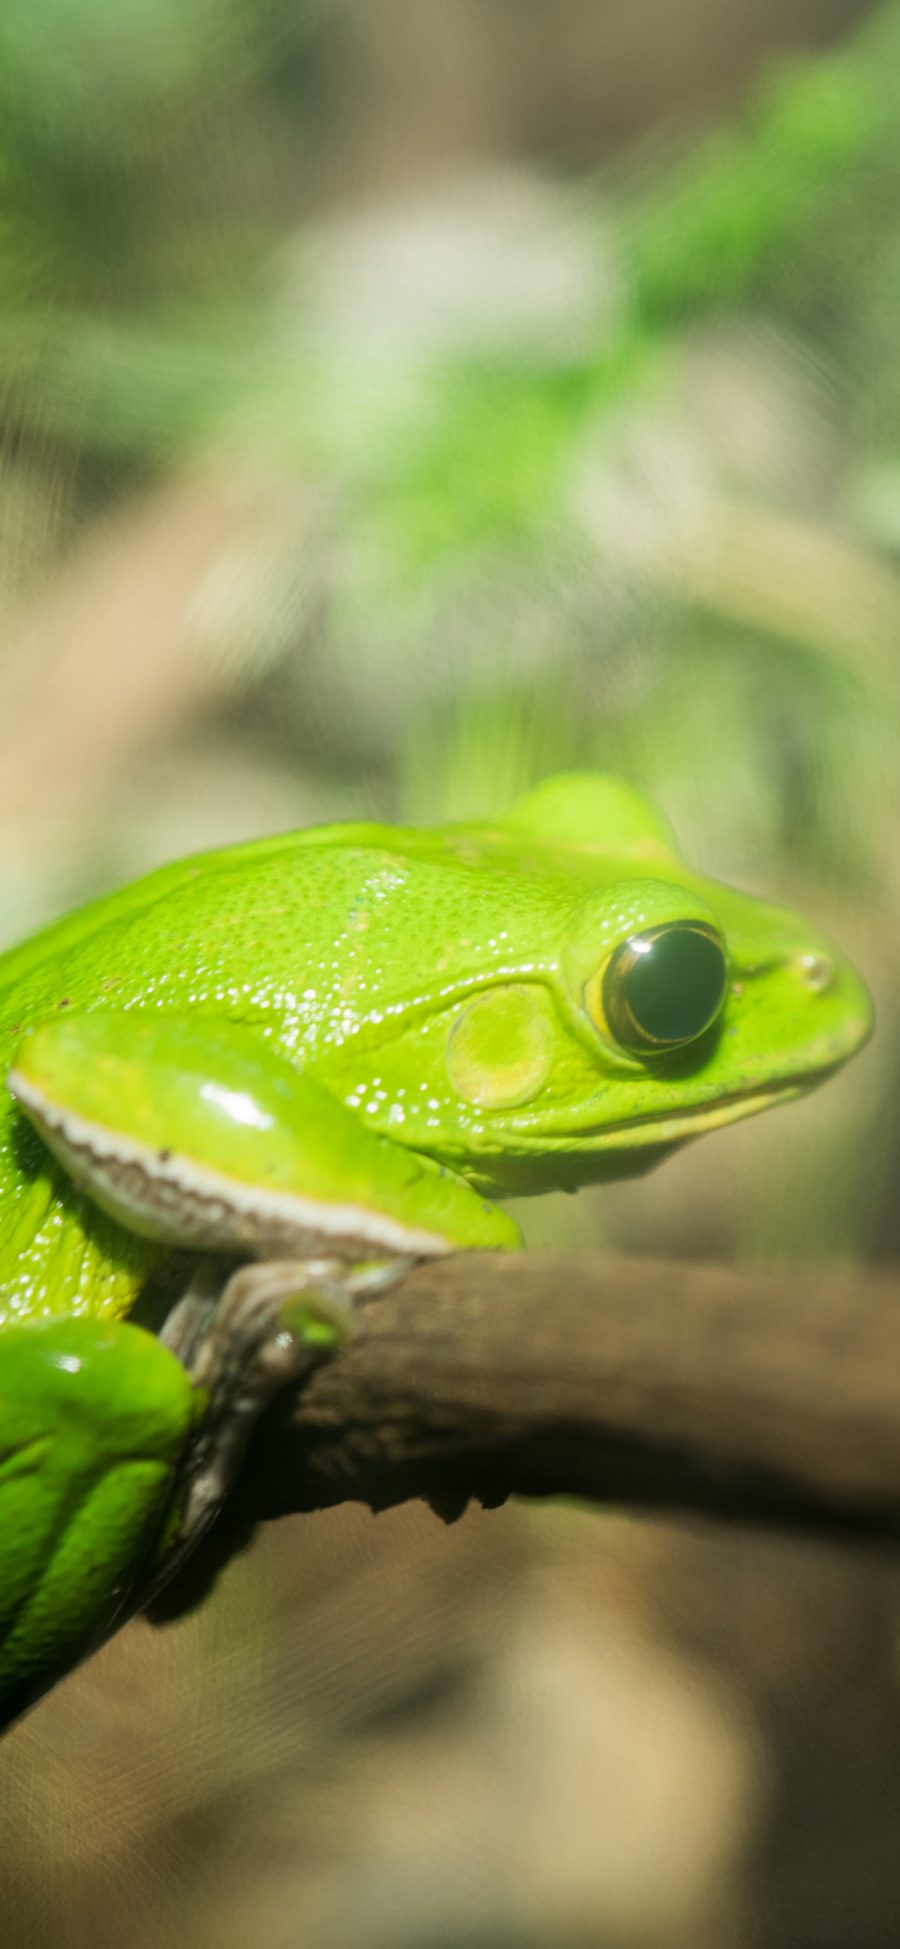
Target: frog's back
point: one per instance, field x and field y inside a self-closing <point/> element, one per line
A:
<point x="256" y="933"/>
<point x="232" y="931"/>
<point x="305" y="936"/>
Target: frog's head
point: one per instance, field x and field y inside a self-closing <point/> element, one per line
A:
<point x="658" y="1006"/>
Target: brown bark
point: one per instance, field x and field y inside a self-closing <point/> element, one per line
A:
<point x="772" y="1398"/>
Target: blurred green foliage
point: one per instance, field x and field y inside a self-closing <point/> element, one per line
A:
<point x="602" y="472"/>
<point x="595" y="469"/>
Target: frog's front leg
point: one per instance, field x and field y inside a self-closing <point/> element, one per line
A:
<point x="94" y="1421"/>
<point x="196" y="1134"/>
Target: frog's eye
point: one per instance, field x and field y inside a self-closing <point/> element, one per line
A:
<point x="662" y="987"/>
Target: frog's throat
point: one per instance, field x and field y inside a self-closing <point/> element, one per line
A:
<point x="166" y="1196"/>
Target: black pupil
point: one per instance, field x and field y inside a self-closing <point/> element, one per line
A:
<point x="673" y="985"/>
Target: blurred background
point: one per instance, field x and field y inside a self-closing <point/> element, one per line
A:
<point x="398" y="402"/>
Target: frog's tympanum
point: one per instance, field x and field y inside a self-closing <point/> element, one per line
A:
<point x="260" y="1077"/>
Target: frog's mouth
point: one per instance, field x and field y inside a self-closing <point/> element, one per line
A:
<point x="692" y="1119"/>
<point x="574" y="1156"/>
<point x="665" y="1124"/>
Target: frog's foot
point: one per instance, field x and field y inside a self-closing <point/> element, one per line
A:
<point x="242" y="1335"/>
<point x="95" y="1419"/>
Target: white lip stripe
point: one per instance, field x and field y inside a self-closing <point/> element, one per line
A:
<point x="174" y="1185"/>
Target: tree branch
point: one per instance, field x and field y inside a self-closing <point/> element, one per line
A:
<point x="764" y="1397"/>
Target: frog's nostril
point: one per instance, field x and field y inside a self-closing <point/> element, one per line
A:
<point x="816" y="972"/>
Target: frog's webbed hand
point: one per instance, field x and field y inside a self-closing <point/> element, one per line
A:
<point x="243" y="1334"/>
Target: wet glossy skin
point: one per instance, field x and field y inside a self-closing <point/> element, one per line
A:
<point x="337" y="1041"/>
<point x="435" y="982"/>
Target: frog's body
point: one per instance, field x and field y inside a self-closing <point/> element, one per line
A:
<point x="364" y="1029"/>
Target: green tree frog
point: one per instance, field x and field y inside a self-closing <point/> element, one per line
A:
<point x="259" y="1071"/>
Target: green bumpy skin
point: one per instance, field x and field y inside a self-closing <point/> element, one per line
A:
<point x="345" y="1040"/>
<point x="94" y="1422"/>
